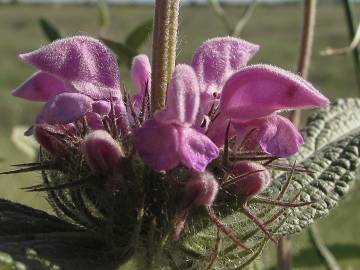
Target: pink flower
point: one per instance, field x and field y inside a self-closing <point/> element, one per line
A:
<point x="250" y="97"/>
<point x="78" y="76"/>
<point x="169" y="138"/>
<point x="141" y="76"/>
<point x="215" y="61"/>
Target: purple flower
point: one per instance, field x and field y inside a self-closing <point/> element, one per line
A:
<point x="77" y="75"/>
<point x="215" y="61"/>
<point x="141" y="76"/>
<point x="79" y="78"/>
<point x="250" y="97"/>
<point x="169" y="138"/>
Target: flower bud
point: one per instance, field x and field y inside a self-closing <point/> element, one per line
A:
<point x="94" y="120"/>
<point x="253" y="178"/>
<point x="201" y="189"/>
<point x="49" y="141"/>
<point x="102" y="153"/>
<point x="101" y="107"/>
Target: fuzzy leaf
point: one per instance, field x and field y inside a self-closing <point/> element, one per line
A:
<point x="139" y="35"/>
<point x="331" y="152"/>
<point x="37" y="240"/>
<point x="49" y="30"/>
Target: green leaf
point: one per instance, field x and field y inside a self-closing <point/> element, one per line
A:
<point x="41" y="241"/>
<point x="331" y="152"/>
<point x="50" y="31"/>
<point x="139" y="35"/>
<point x="123" y="52"/>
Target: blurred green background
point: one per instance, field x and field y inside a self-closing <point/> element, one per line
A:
<point x="276" y="28"/>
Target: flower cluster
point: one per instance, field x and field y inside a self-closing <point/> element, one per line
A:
<point x="218" y="111"/>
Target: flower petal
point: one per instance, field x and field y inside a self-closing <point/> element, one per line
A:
<point x="83" y="62"/>
<point x="217" y="59"/>
<point x="260" y="90"/>
<point x="183" y="98"/>
<point x="102" y="107"/>
<point x="64" y="108"/>
<point x="40" y="87"/>
<point x="275" y="134"/>
<point x="94" y="120"/>
<point x="280" y="137"/>
<point x="195" y="149"/>
<point x="217" y="130"/>
<point x="141" y="76"/>
<point x="157" y="145"/>
<point x="121" y="116"/>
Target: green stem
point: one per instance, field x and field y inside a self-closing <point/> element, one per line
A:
<point x="307" y="37"/>
<point x="325" y="254"/>
<point x="220" y="13"/>
<point x="352" y="31"/>
<point x="244" y="19"/>
<point x="307" y="40"/>
<point x="164" y="49"/>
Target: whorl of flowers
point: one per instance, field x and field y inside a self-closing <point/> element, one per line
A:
<point x="127" y="164"/>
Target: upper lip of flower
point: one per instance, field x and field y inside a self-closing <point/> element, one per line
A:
<point x="251" y="95"/>
<point x="79" y="70"/>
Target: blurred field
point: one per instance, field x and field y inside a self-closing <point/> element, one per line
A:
<point x="275" y="28"/>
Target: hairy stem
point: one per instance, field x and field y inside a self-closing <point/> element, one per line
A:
<point x="352" y="33"/>
<point x="173" y="31"/>
<point x="307" y="38"/>
<point x="284" y="254"/>
<point x="164" y="49"/>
